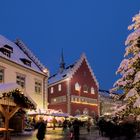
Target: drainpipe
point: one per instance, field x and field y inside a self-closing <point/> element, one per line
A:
<point x="45" y="93"/>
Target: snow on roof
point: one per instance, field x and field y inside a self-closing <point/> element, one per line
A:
<point x="70" y="70"/>
<point x="60" y="76"/>
<point x="21" y="51"/>
<point x="7" y="87"/>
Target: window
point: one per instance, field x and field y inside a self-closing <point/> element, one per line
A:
<point x="38" y="86"/>
<point x="20" y="80"/>
<point x="52" y="90"/>
<point x="59" y="99"/>
<point x="26" y="61"/>
<point x="85" y="89"/>
<point x="59" y="87"/>
<point x="1" y="75"/>
<point x="92" y="90"/>
<point x="6" y="50"/>
<point x="7" y="54"/>
<point x="77" y="86"/>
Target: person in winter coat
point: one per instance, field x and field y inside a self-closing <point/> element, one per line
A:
<point x="41" y="126"/>
<point x="76" y="129"/>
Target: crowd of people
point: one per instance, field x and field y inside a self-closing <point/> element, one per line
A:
<point x="118" y="127"/>
<point x="70" y="128"/>
<point x="111" y="127"/>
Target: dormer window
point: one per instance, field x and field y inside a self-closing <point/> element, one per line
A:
<point x="6" y="50"/>
<point x="26" y="61"/>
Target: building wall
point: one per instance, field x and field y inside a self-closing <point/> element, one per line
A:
<point x="57" y="105"/>
<point x="82" y="76"/>
<point x="10" y="71"/>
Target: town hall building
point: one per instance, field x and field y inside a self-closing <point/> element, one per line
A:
<point x="74" y="89"/>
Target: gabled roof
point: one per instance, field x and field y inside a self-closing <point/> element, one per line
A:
<point x="19" y="51"/>
<point x="69" y="71"/>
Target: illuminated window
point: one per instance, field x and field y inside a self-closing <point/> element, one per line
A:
<point x="20" y="80"/>
<point x="92" y="90"/>
<point x="38" y="86"/>
<point x="52" y="90"/>
<point x="77" y="86"/>
<point x="1" y="75"/>
<point x="59" y="87"/>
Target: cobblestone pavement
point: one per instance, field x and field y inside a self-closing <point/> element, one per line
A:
<point x="58" y="135"/>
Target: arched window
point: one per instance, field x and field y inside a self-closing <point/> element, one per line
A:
<point x="77" y="86"/>
<point x="92" y="90"/>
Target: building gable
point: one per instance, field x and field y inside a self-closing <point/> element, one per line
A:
<point x="70" y="71"/>
<point x="83" y="60"/>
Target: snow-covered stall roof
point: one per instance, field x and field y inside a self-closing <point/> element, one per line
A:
<point x="69" y="71"/>
<point x="20" y="51"/>
<point x="7" y="87"/>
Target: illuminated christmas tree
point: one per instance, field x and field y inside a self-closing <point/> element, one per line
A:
<point x="129" y="69"/>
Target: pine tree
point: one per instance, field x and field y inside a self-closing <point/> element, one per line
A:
<point x="129" y="68"/>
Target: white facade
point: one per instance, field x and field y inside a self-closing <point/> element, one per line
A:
<point x="32" y="78"/>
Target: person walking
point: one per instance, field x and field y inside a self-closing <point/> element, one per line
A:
<point x="76" y="129"/>
<point x="41" y="126"/>
<point x="89" y="125"/>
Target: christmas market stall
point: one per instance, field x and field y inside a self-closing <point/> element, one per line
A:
<point x="53" y="117"/>
<point x="12" y="100"/>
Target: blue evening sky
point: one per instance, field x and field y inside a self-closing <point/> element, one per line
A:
<point x="96" y="27"/>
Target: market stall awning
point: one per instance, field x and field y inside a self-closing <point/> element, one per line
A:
<point x="60" y="114"/>
<point x="9" y="87"/>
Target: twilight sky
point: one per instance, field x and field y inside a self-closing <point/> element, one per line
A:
<point x="96" y="27"/>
